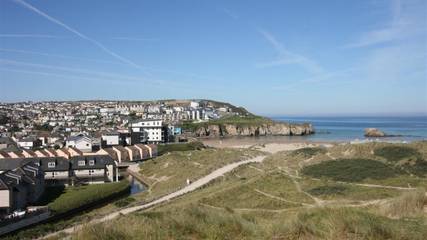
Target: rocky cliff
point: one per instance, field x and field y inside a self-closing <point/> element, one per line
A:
<point x="266" y="129"/>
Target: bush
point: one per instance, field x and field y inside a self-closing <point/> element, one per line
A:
<point x="419" y="168"/>
<point x="397" y="153"/>
<point x="328" y="190"/>
<point x="308" y="152"/>
<point x="350" y="170"/>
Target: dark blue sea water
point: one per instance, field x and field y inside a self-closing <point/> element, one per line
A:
<point x="352" y="128"/>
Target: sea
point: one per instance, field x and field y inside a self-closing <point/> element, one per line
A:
<point x="405" y="129"/>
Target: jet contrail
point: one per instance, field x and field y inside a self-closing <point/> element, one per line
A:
<point x="81" y="35"/>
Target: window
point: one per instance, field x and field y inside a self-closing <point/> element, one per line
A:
<point x="91" y="162"/>
<point x="81" y="163"/>
<point x="51" y="164"/>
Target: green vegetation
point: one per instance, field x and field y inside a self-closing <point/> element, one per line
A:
<point x="308" y="152"/>
<point x="351" y="170"/>
<point x="348" y="223"/>
<point x="397" y="153"/>
<point x="198" y="222"/>
<point x="331" y="190"/>
<point x="124" y="202"/>
<point x="169" y="172"/>
<point x="76" y="197"/>
<point x="272" y="191"/>
<point x="164" y="148"/>
<point x="418" y="168"/>
<point x="273" y="200"/>
<point x="409" y="204"/>
<point x="328" y="190"/>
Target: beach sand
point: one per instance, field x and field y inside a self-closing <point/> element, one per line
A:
<point x="267" y="144"/>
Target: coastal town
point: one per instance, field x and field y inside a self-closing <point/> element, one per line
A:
<point x="89" y="142"/>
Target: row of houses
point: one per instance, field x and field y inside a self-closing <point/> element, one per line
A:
<point x="60" y="170"/>
<point x="24" y="174"/>
<point x="20" y="185"/>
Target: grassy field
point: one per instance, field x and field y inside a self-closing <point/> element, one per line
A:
<point x="170" y="171"/>
<point x="75" y="197"/>
<point x="258" y="202"/>
<point x="351" y="170"/>
<point x="306" y="194"/>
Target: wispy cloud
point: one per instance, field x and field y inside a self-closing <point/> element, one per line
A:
<point x="404" y="22"/>
<point x="334" y="77"/>
<point x="29" y="36"/>
<point x="79" y="34"/>
<point x="229" y="13"/>
<point x="286" y="57"/>
<point x="57" y="56"/>
<point x="135" y="39"/>
<point x="75" y="70"/>
<point x="85" y="74"/>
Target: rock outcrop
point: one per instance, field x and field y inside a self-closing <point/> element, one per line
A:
<point x="266" y="129"/>
<point x="373" y="132"/>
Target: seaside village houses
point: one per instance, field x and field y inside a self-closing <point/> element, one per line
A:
<point x="73" y="143"/>
<point x="26" y="169"/>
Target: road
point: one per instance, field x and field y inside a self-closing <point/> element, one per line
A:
<point x="189" y="188"/>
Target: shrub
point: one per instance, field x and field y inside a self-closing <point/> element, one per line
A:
<point x="350" y="170"/>
<point x="418" y="168"/>
<point x="328" y="190"/>
<point x="397" y="153"/>
<point x="308" y="152"/>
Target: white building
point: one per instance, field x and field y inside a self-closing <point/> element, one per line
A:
<point x="81" y="142"/>
<point x="111" y="138"/>
<point x="152" y="129"/>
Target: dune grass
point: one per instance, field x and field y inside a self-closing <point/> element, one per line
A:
<point x="197" y="222"/>
<point x="409" y="204"/>
<point x="351" y="170"/>
<point x="169" y="172"/>
<point x="308" y="151"/>
<point x="397" y="153"/>
<point x="270" y="191"/>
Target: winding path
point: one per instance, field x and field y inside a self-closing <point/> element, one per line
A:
<point x="189" y="188"/>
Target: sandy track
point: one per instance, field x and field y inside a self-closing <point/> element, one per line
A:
<point x="189" y="188"/>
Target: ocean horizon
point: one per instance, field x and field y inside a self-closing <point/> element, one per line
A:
<point x="343" y="128"/>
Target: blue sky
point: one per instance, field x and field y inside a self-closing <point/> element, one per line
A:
<point x="272" y="57"/>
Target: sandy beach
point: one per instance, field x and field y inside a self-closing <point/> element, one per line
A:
<point x="271" y="144"/>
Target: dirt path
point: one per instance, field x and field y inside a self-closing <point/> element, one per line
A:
<point x="189" y="188"/>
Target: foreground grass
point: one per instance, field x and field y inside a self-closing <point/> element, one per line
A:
<point x="198" y="222"/>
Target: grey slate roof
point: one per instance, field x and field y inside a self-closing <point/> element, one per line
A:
<point x="100" y="162"/>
